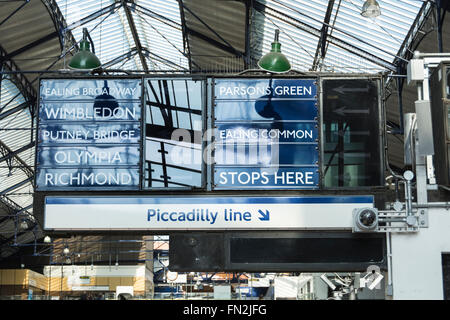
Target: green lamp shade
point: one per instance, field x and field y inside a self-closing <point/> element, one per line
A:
<point x="275" y="61"/>
<point x="84" y="59"/>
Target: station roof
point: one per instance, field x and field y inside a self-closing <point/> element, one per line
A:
<point x="175" y="36"/>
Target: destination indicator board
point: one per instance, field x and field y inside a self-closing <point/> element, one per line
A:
<point x="79" y="111"/>
<point x="89" y="134"/>
<point x="89" y="156"/>
<point x="266" y="134"/>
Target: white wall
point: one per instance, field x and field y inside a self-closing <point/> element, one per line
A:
<point x="417" y="265"/>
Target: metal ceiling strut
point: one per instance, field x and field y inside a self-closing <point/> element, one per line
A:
<point x="156" y="16"/>
<point x="349" y="34"/>
<point x="18" y="79"/>
<point x="248" y="22"/>
<point x="13" y="155"/>
<point x="11" y="111"/>
<point x="163" y="60"/>
<point x="224" y="45"/>
<point x="17" y="185"/>
<point x="29" y="46"/>
<point x="126" y="56"/>
<point x="186" y="45"/>
<point x="60" y="24"/>
<point x="14" y="12"/>
<point x="321" y="45"/>
<point x="106" y="10"/>
<point x="135" y="35"/>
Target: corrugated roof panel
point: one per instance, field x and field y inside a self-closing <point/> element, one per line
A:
<point x="226" y="18"/>
<point x="10" y="96"/>
<point x="113" y="37"/>
<point x="10" y="176"/>
<point x="14" y="139"/>
<point x="220" y="28"/>
<point x="110" y="32"/>
<point x="381" y="36"/>
<point x="385" y="33"/>
<point x="338" y="60"/>
<point x="160" y="38"/>
<point x="315" y="9"/>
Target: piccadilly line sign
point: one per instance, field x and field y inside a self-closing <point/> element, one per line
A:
<point x="201" y="212"/>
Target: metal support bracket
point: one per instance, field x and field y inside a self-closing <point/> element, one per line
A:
<point x="397" y="221"/>
<point x="423" y="217"/>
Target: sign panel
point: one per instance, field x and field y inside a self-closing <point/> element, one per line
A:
<point x="79" y="111"/>
<point x="202" y="213"/>
<point x="90" y="89"/>
<point x="294" y="177"/>
<point x="82" y="156"/>
<point x="81" y="178"/>
<point x="173" y="133"/>
<point x="266" y="134"/>
<point x="89" y="134"/>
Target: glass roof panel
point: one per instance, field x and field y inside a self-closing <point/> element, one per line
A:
<point x="109" y="32"/>
<point x="381" y="36"/>
<point x="158" y="25"/>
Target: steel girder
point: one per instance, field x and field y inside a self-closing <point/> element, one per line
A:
<point x="321" y="45"/>
<point x="134" y="33"/>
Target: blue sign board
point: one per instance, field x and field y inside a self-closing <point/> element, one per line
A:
<point x="266" y="134"/>
<point x="262" y="110"/>
<point x="89" y="134"/>
<point x="266" y="155"/>
<point x="258" y="89"/>
<point x="82" y="178"/>
<point x="260" y="132"/>
<point x="119" y="155"/>
<point x="81" y="111"/>
<point x="284" y="177"/>
<point x="90" y="89"/>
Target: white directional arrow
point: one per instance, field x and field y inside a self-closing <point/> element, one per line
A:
<point x="352" y="133"/>
<point x="342" y="89"/>
<point x="344" y="110"/>
<point x="265" y="216"/>
<point x="355" y="155"/>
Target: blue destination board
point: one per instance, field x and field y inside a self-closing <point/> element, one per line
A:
<point x="267" y="155"/>
<point x="82" y="111"/>
<point x="266" y="129"/>
<point x="286" y="177"/>
<point x="270" y="132"/>
<point x="88" y="156"/>
<point x="89" y="134"/>
<point x="263" y="110"/>
<point x="82" y="178"/>
<point x="252" y="89"/>
<point x="89" y="89"/>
